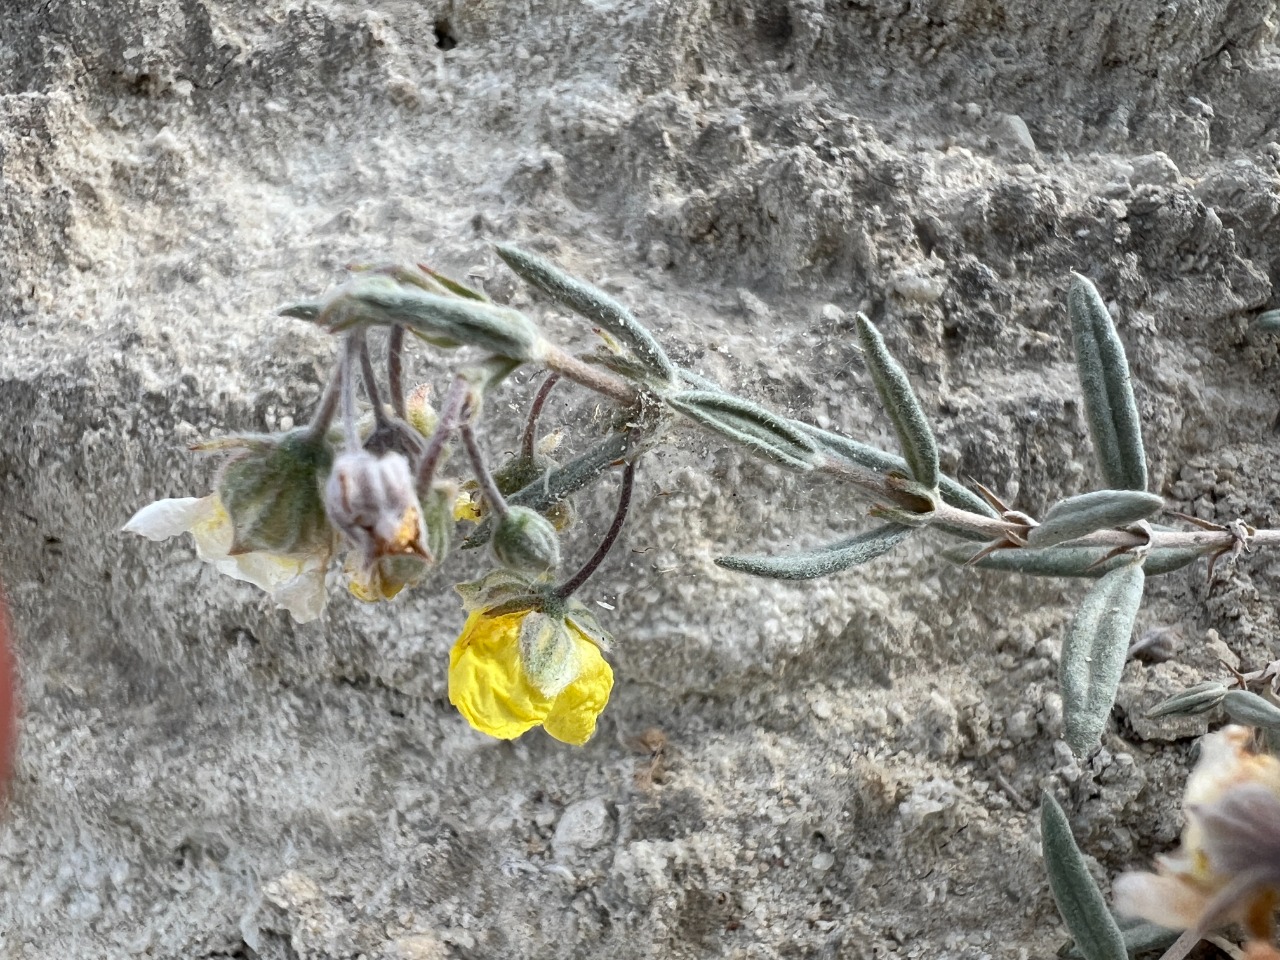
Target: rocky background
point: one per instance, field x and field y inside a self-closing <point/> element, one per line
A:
<point x="845" y="769"/>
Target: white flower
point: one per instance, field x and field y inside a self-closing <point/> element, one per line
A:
<point x="294" y="581"/>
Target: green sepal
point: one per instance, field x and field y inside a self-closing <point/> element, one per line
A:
<point x="1201" y="698"/>
<point x="592" y="303"/>
<point x="1080" y="902"/>
<point x="1084" y="562"/>
<point x="548" y="654"/>
<point x="437" y="516"/>
<point x="271" y="492"/>
<point x="495" y="588"/>
<point x="914" y="434"/>
<point x="1094" y="652"/>
<point x="576" y="612"/>
<point x="823" y="562"/>
<point x="749" y="424"/>
<point x="1079" y="516"/>
<point x="1105" y="384"/>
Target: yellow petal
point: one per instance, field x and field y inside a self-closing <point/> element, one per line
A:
<point x="487" y="683"/>
<point x="572" y="718"/>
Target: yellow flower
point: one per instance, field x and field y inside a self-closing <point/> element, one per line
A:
<point x="295" y="581"/>
<point x="1228" y="867"/>
<point x="512" y="671"/>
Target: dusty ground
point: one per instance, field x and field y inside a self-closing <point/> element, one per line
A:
<point x="850" y="765"/>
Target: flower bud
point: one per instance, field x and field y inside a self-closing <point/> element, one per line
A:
<point x="526" y="542"/>
<point x="386" y="577"/>
<point x="271" y="492"/>
<point x="372" y="501"/>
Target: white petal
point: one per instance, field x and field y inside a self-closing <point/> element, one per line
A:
<point x="1165" y="901"/>
<point x="266" y="571"/>
<point x="304" y="595"/>
<point x="166" y="518"/>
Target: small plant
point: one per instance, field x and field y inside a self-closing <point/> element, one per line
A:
<point x="377" y="489"/>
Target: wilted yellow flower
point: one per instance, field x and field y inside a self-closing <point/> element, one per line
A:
<point x="512" y="671"/>
<point x="295" y="581"/>
<point x="1228" y="867"/>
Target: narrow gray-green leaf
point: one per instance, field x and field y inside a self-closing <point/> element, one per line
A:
<point x="587" y="301"/>
<point x="918" y="445"/>
<point x="1094" y="652"/>
<point x="822" y="562"/>
<point x="1107" y="389"/>
<point x="445" y="321"/>
<point x="1252" y="710"/>
<point x="749" y="424"/>
<point x="1201" y="698"/>
<point x="1080" y="902"/>
<point x="1077" y="516"/>
<point x="1269" y="321"/>
<point x="1071" y="561"/>
<point x="561" y="482"/>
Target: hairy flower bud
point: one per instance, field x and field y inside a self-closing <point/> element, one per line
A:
<point x="526" y="542"/>
<point x="372" y="501"/>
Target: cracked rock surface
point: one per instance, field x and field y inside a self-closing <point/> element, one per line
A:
<point x="841" y="769"/>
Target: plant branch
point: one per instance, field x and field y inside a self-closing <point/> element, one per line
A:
<point x="590" y="376"/>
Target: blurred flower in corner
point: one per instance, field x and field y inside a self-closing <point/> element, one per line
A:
<point x="1228" y="867"/>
